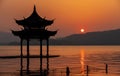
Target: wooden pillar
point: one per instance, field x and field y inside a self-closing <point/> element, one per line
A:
<point x="41" y="56"/>
<point x="21" y="52"/>
<point x="21" y="56"/>
<point x="87" y="69"/>
<point x="28" y="54"/>
<point x="106" y="68"/>
<point x="47" y="55"/>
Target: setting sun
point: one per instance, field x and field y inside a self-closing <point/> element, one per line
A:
<point x="82" y="30"/>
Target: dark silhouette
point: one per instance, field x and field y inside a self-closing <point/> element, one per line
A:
<point x="34" y="27"/>
<point x="87" y="69"/>
<point x="45" y="72"/>
<point x="67" y="71"/>
<point x="106" y="68"/>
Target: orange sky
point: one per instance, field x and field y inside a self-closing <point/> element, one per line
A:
<point x="70" y="15"/>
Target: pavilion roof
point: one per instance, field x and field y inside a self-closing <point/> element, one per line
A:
<point x="34" y="20"/>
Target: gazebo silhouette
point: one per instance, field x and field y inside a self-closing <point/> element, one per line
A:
<point x="34" y="27"/>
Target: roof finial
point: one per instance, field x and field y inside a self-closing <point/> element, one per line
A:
<point x="34" y="8"/>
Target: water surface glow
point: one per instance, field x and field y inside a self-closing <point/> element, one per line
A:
<point x="76" y="57"/>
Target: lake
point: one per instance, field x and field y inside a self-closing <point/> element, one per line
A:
<point x="75" y="57"/>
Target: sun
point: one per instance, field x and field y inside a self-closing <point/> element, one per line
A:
<point x="82" y="30"/>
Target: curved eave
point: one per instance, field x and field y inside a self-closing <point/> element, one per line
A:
<point x="48" y="22"/>
<point x="17" y="33"/>
<point x="52" y="33"/>
<point x="34" y="34"/>
<point x="21" y="22"/>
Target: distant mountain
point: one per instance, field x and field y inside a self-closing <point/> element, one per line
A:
<point x="6" y="38"/>
<point x="111" y="37"/>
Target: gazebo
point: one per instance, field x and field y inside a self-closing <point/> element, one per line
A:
<point x="34" y="27"/>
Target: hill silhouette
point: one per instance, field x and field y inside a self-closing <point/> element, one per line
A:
<point x="6" y="38"/>
<point x="111" y="37"/>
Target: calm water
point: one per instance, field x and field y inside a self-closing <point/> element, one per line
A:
<point x="76" y="57"/>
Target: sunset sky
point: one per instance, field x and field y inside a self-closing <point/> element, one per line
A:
<point x="70" y="15"/>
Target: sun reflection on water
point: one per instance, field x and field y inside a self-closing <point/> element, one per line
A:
<point x="82" y="59"/>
